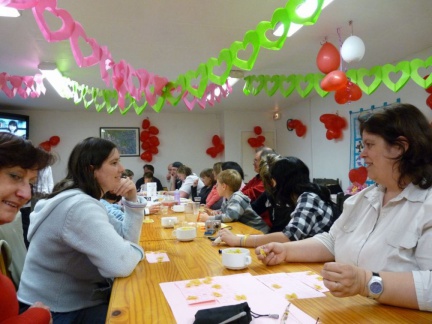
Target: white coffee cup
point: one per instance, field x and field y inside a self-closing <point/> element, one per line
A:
<point x="168" y="221"/>
<point x="185" y="233"/>
<point x="236" y="258"/>
<point x="178" y="208"/>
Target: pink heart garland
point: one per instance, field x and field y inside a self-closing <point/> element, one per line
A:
<point x="106" y="63"/>
<point x="68" y="24"/>
<point x="22" y="4"/>
<point x="91" y="59"/>
<point x="189" y="104"/>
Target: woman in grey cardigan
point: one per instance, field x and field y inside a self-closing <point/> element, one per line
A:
<point x="74" y="249"/>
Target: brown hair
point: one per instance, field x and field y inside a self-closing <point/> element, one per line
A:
<point x="231" y="178"/>
<point x="183" y="169"/>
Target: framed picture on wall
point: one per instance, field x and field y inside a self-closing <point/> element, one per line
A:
<point x="125" y="138"/>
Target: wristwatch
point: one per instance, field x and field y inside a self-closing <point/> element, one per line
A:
<point x="375" y="286"/>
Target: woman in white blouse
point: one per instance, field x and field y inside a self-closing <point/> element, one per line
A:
<point x="380" y="247"/>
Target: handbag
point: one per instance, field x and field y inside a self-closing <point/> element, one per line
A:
<point x="238" y="314"/>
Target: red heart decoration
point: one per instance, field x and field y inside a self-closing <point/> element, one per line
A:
<point x="334" y="81"/>
<point x="358" y="175"/>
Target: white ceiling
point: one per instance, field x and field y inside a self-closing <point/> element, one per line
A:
<point x="169" y="38"/>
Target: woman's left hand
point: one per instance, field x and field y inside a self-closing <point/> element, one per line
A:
<point x="229" y="238"/>
<point x="344" y="280"/>
<point x="127" y="190"/>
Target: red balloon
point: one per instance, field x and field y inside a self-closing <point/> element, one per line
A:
<point x="334" y="81"/>
<point x="147" y="156"/>
<point x="153" y="130"/>
<point x="328" y="58"/>
<point x="153" y="150"/>
<point x="326" y="117"/>
<point x="293" y="123"/>
<point x="144" y="135"/>
<point x="355" y="92"/>
<point x="46" y="146"/>
<point x="261" y="139"/>
<point x="54" y="140"/>
<point x="428" y="90"/>
<point x="153" y="140"/>
<point x="257" y="130"/>
<point x="358" y="175"/>
<point x="145" y="145"/>
<point x="341" y="96"/>
<point x="300" y="130"/>
<point x="429" y="101"/>
<point x="220" y="148"/>
<point x="252" y="141"/>
<point x="146" y="123"/>
<point x="340" y="122"/>
<point x="211" y="151"/>
<point x="216" y="140"/>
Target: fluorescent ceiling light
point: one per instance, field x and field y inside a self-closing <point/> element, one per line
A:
<point x="304" y="10"/>
<point x="56" y="79"/>
<point x="9" y="12"/>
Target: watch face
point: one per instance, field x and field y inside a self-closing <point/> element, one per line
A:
<point x="375" y="287"/>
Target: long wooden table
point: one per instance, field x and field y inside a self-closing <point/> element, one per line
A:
<point x="139" y="298"/>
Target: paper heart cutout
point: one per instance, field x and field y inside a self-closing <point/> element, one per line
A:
<point x="139" y="109"/>
<point x="292" y="6"/>
<point x="250" y="39"/>
<point x="280" y="16"/>
<point x="415" y="65"/>
<point x="111" y="100"/>
<point x="105" y="64"/>
<point x="22" y="4"/>
<point x="309" y="80"/>
<point x="317" y="81"/>
<point x="373" y="72"/>
<point x="260" y="81"/>
<point x="403" y="68"/>
<point x="248" y="87"/>
<point x="225" y="56"/>
<point x="89" y="97"/>
<point x="67" y="22"/>
<point x="271" y="84"/>
<point x="160" y="102"/>
<point x="79" y="92"/>
<point x="174" y="91"/>
<point x="99" y="100"/>
<point x="287" y="84"/>
<point x="89" y="60"/>
<point x="199" y="75"/>
<point x="190" y="104"/>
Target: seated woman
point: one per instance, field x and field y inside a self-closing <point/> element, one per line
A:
<point x="209" y="181"/>
<point x="74" y="250"/>
<point x="214" y="201"/>
<point x="188" y="178"/>
<point x="380" y="245"/>
<point x="20" y="162"/>
<point x="310" y="206"/>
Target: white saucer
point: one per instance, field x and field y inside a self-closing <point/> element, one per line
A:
<point x="185" y="240"/>
<point x="236" y="268"/>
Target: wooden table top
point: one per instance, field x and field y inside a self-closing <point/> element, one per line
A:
<point x="139" y="298"/>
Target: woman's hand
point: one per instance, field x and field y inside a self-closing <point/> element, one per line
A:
<point x="203" y="217"/>
<point x="344" y="280"/>
<point x="272" y="253"/>
<point x="229" y="238"/>
<point x="127" y="190"/>
<point x="154" y="209"/>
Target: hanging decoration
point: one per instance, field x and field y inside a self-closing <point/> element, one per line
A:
<point x="353" y="49"/>
<point x="257" y="141"/>
<point x="428" y="90"/>
<point x="298" y="126"/>
<point x="328" y="58"/>
<point x="217" y="148"/>
<point x="334" y="125"/>
<point x="47" y="145"/>
<point x="149" y="140"/>
<point x="286" y="84"/>
<point x="358" y="179"/>
<point x="156" y="89"/>
<point x="25" y="86"/>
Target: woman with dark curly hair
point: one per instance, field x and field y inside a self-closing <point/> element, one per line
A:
<point x="380" y="247"/>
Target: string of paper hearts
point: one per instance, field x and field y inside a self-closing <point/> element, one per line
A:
<point x="407" y="70"/>
<point x="24" y="86"/>
<point x="157" y="89"/>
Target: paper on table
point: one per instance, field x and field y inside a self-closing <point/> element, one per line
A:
<point x="289" y="287"/>
<point x="233" y="289"/>
<point x="156" y="256"/>
<point x="310" y="278"/>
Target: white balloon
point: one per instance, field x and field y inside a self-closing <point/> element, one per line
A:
<point x="353" y="49"/>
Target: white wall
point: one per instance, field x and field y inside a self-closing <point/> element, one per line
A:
<point x="185" y="136"/>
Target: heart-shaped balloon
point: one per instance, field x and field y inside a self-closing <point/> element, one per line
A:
<point x="358" y="175"/>
<point x="403" y="68"/>
<point x="374" y="72"/>
<point x="67" y="22"/>
<point x="308" y="79"/>
<point x="341" y="96"/>
<point x="334" y="81"/>
<point x="429" y="101"/>
<point x="301" y="130"/>
<point x="416" y="64"/>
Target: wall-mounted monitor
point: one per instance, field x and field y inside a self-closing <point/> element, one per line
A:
<point x="15" y="124"/>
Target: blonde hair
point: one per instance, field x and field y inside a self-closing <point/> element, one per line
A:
<point x="231" y="178"/>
